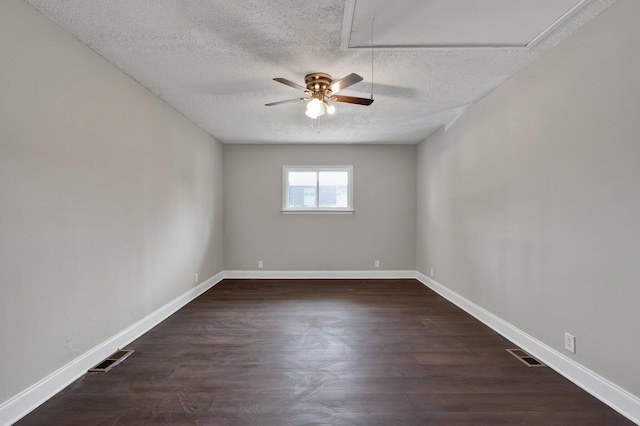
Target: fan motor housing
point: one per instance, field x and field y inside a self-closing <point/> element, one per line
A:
<point x="318" y="82"/>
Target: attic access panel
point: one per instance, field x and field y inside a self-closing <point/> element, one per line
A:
<point x="454" y="23"/>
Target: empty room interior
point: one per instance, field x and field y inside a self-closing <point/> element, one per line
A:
<point x="330" y="212"/>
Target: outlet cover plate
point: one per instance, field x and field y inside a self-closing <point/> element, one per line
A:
<point x="570" y="342"/>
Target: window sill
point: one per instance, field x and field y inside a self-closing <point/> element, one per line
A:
<point x="309" y="211"/>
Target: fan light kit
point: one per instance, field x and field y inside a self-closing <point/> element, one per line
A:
<point x="321" y="90"/>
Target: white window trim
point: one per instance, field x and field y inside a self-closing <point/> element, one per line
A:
<point x="316" y="210"/>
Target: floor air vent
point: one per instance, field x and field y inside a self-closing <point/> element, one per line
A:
<point x="526" y="359"/>
<point x="111" y="361"/>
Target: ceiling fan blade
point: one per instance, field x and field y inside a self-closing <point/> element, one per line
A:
<point x="345" y="82"/>
<point x="290" y="83"/>
<point x="285" y="102"/>
<point x="352" y="100"/>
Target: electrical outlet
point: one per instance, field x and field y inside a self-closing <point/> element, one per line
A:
<point x="196" y="277"/>
<point x="376" y="264"/>
<point x="260" y="264"/>
<point x="570" y="342"/>
<point x="431" y="272"/>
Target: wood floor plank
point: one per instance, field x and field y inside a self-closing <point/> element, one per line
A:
<point x="322" y="352"/>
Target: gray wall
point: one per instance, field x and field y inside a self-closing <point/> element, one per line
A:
<point x="529" y="204"/>
<point x="110" y="201"/>
<point x="383" y="226"/>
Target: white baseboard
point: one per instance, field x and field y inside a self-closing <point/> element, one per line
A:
<point x="29" y="399"/>
<point x="617" y="398"/>
<point x="372" y="274"/>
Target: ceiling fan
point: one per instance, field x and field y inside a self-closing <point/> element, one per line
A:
<point x="321" y="89"/>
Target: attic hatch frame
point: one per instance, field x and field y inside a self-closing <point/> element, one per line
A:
<point x="350" y="10"/>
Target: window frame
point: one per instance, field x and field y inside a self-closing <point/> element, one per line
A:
<point x="286" y="169"/>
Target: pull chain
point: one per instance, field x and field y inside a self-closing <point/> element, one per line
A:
<point x="315" y="121"/>
<point x="372" y="19"/>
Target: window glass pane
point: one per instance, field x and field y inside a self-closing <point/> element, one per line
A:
<point x="302" y="189"/>
<point x="303" y="179"/>
<point x="334" y="189"/>
<point x="309" y="197"/>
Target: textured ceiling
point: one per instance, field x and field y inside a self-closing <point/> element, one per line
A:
<point x="214" y="60"/>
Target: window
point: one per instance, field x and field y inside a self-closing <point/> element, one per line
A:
<point x="317" y="189"/>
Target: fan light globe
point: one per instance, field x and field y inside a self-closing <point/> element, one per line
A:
<point x="331" y="109"/>
<point x="315" y="108"/>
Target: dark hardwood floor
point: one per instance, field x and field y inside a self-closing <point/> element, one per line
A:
<point x="322" y="352"/>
